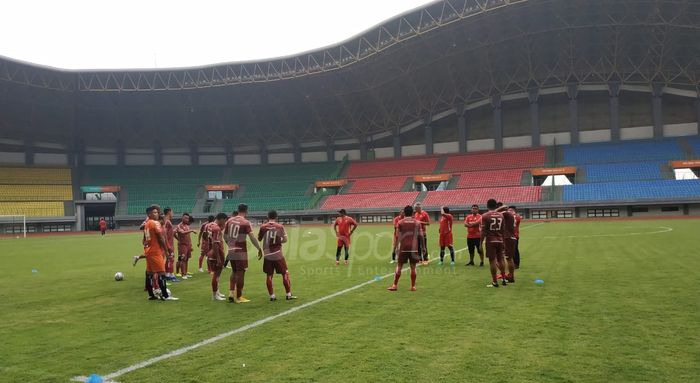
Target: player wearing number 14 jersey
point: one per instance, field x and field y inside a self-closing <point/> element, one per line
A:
<point x="272" y="236"/>
<point x="492" y="226"/>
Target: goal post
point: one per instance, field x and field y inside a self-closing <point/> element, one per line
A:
<point x="9" y="224"/>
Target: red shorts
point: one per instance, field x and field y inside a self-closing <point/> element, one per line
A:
<point x="494" y="249"/>
<point x="446" y="239"/>
<point x="274" y="265"/>
<point x="510" y="247"/>
<point x="214" y="265"/>
<point x="343" y="241"/>
<point x="408" y="256"/>
<point x="103" y="230"/>
<point x="184" y="252"/>
<point x="238" y="260"/>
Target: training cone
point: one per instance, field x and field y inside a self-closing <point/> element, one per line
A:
<point x="94" y="378"/>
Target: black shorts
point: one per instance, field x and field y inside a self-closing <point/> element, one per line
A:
<point x="473" y="243"/>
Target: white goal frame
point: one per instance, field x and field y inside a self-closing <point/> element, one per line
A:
<point x="24" y="221"/>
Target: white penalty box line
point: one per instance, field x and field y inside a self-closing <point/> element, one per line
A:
<point x="109" y="378"/>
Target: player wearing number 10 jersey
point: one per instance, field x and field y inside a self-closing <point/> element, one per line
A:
<point x="272" y="236"/>
<point x="492" y="231"/>
<point x="237" y="229"/>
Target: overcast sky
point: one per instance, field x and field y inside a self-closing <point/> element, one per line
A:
<point x="111" y="34"/>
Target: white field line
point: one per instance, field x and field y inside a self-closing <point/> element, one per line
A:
<point x="662" y="229"/>
<point x="109" y="378"/>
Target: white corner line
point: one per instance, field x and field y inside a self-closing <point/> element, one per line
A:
<point x="109" y="377"/>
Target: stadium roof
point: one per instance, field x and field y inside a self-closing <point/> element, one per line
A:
<point x="394" y="77"/>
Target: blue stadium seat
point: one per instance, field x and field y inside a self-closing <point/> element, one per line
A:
<point x="627" y="171"/>
<point x="633" y="190"/>
<point x="657" y="150"/>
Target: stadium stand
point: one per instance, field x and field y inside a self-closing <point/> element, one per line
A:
<point x="369" y="200"/>
<point x="34" y="192"/>
<point x="171" y="186"/>
<point x="282" y="187"/>
<point x="657" y="150"/>
<point x="263" y="187"/>
<point x="32" y="209"/>
<point x="628" y="171"/>
<point x="467" y="197"/>
<point x="516" y="159"/>
<point x="490" y="178"/>
<point x="633" y="190"/>
<point x="694" y="143"/>
<point x="378" y="184"/>
<point x="34" y="176"/>
<point x="380" y="168"/>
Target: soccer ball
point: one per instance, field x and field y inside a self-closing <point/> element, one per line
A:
<point x="119" y="276"/>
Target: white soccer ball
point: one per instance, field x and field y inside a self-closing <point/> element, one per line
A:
<point x="119" y="276"/>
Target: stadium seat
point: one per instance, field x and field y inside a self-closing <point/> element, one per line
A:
<point x="32" y="209"/>
<point x="626" y="171"/>
<point x="369" y="200"/>
<point x="490" y="178"/>
<point x="377" y="184"/>
<point x="379" y="168"/>
<point x="633" y="151"/>
<point x="467" y="197"/>
<point x="34" y="192"/>
<point x="634" y="190"/>
<point x="516" y="159"/>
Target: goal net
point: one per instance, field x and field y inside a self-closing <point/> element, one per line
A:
<point x="13" y="225"/>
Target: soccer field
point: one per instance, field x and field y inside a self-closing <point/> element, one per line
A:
<point x="620" y="303"/>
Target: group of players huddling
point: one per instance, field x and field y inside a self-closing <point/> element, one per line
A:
<point x="236" y="230"/>
<point x="498" y="229"/>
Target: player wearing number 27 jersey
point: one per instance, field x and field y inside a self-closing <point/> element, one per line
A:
<point x="492" y="230"/>
<point x="272" y="235"/>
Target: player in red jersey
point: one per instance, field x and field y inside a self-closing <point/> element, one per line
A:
<point x="215" y="256"/>
<point x="184" y="244"/>
<point x="272" y="235"/>
<point x="103" y="226"/>
<point x="446" y="239"/>
<point x="396" y="235"/>
<point x="237" y="229"/>
<point x="408" y="247"/>
<point x="343" y="226"/>
<point x="155" y="248"/>
<point x="518" y="219"/>
<point x="203" y="242"/>
<point x="508" y="239"/>
<point x="492" y="231"/>
<point x="169" y="232"/>
<point x="473" y="224"/>
<point x="422" y="216"/>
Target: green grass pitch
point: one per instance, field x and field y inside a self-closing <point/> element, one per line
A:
<point x="620" y="303"/>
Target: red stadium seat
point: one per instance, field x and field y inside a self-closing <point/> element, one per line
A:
<point x="369" y="200"/>
<point x="516" y="159"/>
<point x="490" y="178"/>
<point x="377" y="184"/>
<point x="379" y="168"/>
<point x="466" y="197"/>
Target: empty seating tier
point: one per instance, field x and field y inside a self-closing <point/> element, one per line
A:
<point x="369" y="200"/>
<point x="633" y="151"/>
<point x="409" y="166"/>
<point x="467" y="197"/>
<point x="625" y="171"/>
<point x="495" y="160"/>
<point x="634" y="190"/>
<point x="378" y="184"/>
<point x="490" y="178"/>
<point x="32" y="209"/>
<point x="35" y="176"/>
